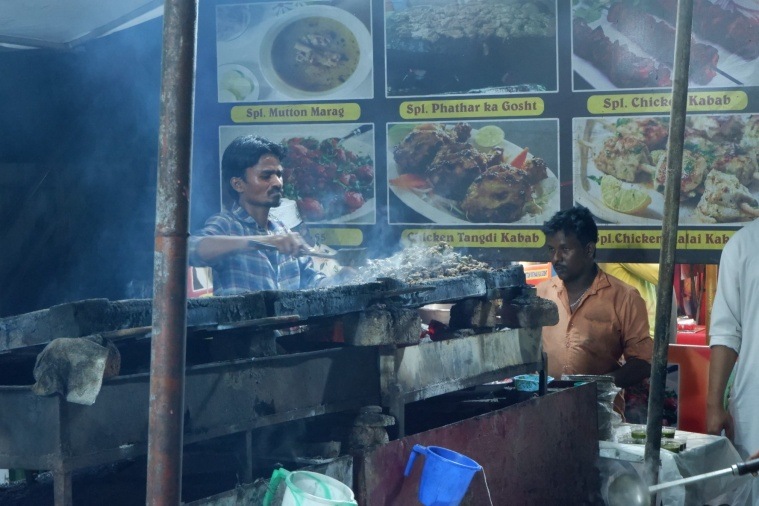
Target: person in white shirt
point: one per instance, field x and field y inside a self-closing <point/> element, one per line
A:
<point x="734" y="341"/>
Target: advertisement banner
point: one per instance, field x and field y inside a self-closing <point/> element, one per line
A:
<point x="472" y="122"/>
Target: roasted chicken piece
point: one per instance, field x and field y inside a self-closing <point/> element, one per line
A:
<point x="417" y="150"/>
<point x="750" y="139"/>
<point x="652" y="131"/>
<point x="725" y="199"/>
<point x="695" y="167"/>
<point x="534" y="169"/>
<point x="498" y="195"/>
<point x="732" y="159"/>
<point x="727" y="157"/>
<point x="624" y="157"/>
<point x="721" y="128"/>
<point x="454" y="168"/>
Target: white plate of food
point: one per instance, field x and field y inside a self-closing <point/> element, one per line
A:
<point x="330" y="176"/>
<point x="237" y="83"/>
<point x="642" y="41"/>
<point x="316" y="52"/>
<point x="720" y="177"/>
<point x="450" y="196"/>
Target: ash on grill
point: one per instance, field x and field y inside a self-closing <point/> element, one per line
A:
<point x="418" y="263"/>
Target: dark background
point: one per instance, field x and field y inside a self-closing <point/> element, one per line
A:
<point x="78" y="162"/>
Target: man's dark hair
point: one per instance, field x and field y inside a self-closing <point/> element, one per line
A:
<point x="244" y="152"/>
<point x="577" y="220"/>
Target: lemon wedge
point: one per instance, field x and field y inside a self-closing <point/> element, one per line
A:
<point x="623" y="199"/>
<point x="489" y="137"/>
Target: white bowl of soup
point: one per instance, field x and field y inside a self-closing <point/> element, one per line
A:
<point x="315" y="52"/>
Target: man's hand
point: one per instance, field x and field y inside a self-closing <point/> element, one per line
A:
<point x="717" y="420"/>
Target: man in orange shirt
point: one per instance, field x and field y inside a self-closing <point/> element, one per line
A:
<point x="603" y="323"/>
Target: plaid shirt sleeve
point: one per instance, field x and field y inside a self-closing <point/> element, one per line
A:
<point x="252" y="270"/>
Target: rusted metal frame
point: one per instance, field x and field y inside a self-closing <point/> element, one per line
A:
<point x="669" y="239"/>
<point x="169" y="317"/>
<point x="62" y="484"/>
<point x="100" y="433"/>
<point x="392" y="395"/>
<point x="543" y="375"/>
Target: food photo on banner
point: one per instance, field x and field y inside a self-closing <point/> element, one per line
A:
<point x="629" y="44"/>
<point x="328" y="169"/>
<point x="293" y="51"/>
<point x="487" y="47"/>
<point x="476" y="172"/>
<point x="620" y="166"/>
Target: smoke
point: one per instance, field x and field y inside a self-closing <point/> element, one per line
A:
<point x="99" y="141"/>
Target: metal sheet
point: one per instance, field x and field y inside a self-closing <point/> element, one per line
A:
<point x="542" y="451"/>
<point x="439" y="367"/>
<point x="223" y="398"/>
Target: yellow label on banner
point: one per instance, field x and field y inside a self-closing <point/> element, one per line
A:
<point x="480" y="108"/>
<point x="296" y="113"/>
<point x="337" y="236"/>
<point x="462" y="238"/>
<point x="652" y="239"/>
<point x="662" y="102"/>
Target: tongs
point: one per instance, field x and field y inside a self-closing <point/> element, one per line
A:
<point x="352" y="257"/>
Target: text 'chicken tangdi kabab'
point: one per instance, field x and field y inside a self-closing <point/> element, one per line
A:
<point x="446" y="167"/>
<point x="720" y="161"/>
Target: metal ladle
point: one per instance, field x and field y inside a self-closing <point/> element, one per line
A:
<point x="628" y="489"/>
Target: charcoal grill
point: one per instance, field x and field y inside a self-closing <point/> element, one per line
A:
<point x="380" y="361"/>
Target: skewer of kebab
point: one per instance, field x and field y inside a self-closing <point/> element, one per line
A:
<point x="725" y="199"/>
<point x="695" y="168"/>
<point x="624" y="68"/>
<point x="727" y="157"/>
<point x="657" y="38"/>
<point x="722" y="127"/>
<point x="625" y="157"/>
<point x="730" y="29"/>
<point x="652" y="131"/>
<point x="750" y="139"/>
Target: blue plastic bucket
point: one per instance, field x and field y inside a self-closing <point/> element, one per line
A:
<point x="445" y="477"/>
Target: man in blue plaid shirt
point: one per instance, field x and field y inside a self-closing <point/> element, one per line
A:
<point x="247" y="249"/>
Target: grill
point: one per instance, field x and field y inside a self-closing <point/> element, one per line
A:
<point x="375" y="358"/>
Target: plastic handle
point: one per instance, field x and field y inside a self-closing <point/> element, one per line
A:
<point x="412" y="457"/>
<point x="276" y="478"/>
<point x="750" y="466"/>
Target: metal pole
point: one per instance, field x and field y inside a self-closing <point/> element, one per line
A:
<point x="164" y="480"/>
<point x="669" y="239"/>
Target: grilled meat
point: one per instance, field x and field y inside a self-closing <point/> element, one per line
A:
<point x="419" y="263"/>
<point x="535" y="170"/>
<point x="652" y="131"/>
<point x="418" y="149"/>
<point x="454" y="168"/>
<point x="750" y="139"/>
<point x="623" y="67"/>
<point x="456" y="46"/>
<point x="730" y="29"/>
<point x="624" y="157"/>
<point x="725" y="199"/>
<point x="498" y="195"/>
<point x="726" y="128"/>
<point x="732" y="159"/>
<point x="695" y="168"/>
<point x="657" y="38"/>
